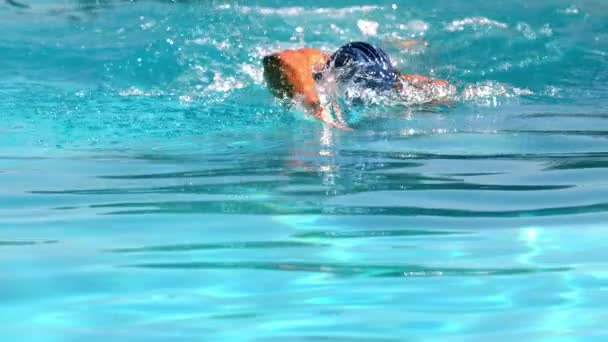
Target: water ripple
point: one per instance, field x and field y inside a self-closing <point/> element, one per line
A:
<point x="216" y="246"/>
<point x="350" y="270"/>
<point x="295" y="208"/>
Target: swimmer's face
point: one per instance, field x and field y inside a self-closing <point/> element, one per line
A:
<point x="326" y="79"/>
<point x="318" y="67"/>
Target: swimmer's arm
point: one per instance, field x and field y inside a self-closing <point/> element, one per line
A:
<point x="441" y="88"/>
<point x="322" y="114"/>
<point x="410" y="43"/>
<point x="419" y="80"/>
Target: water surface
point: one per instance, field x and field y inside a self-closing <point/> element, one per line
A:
<point x="151" y="189"/>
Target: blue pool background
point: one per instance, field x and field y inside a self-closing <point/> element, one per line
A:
<point x="151" y="189"/>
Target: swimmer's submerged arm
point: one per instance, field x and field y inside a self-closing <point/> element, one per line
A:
<point x="440" y="90"/>
<point x="419" y="80"/>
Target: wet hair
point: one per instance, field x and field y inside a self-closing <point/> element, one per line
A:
<point x="278" y="84"/>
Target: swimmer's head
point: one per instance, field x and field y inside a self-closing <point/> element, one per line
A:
<point x="362" y="65"/>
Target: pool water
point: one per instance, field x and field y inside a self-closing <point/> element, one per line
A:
<point x="151" y="189"/>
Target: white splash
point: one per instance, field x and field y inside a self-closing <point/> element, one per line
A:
<point x="368" y="27"/>
<point x="256" y="74"/>
<point x="137" y="92"/>
<point x="475" y="22"/>
<point x="526" y="30"/>
<point x="546" y="30"/>
<point x="415" y="95"/>
<point x="223" y="85"/>
<point x="529" y="33"/>
<point x="552" y="91"/>
<point x="220" y="45"/>
<point x="148" y="25"/>
<point x="340" y="12"/>
<point x="571" y="10"/>
<point x="409" y="94"/>
<point x="489" y="92"/>
<point x="415" y="26"/>
<point x="185" y="98"/>
<point x="199" y="41"/>
<point x="483" y="90"/>
<point x="337" y="29"/>
<point x="298" y="10"/>
<point x="286" y="11"/>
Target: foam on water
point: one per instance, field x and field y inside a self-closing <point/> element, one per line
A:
<point x="298" y="11"/>
<point x="474" y="23"/>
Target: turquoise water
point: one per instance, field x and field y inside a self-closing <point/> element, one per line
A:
<point x="151" y="189"/>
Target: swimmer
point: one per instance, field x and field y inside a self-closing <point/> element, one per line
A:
<point x="295" y="75"/>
